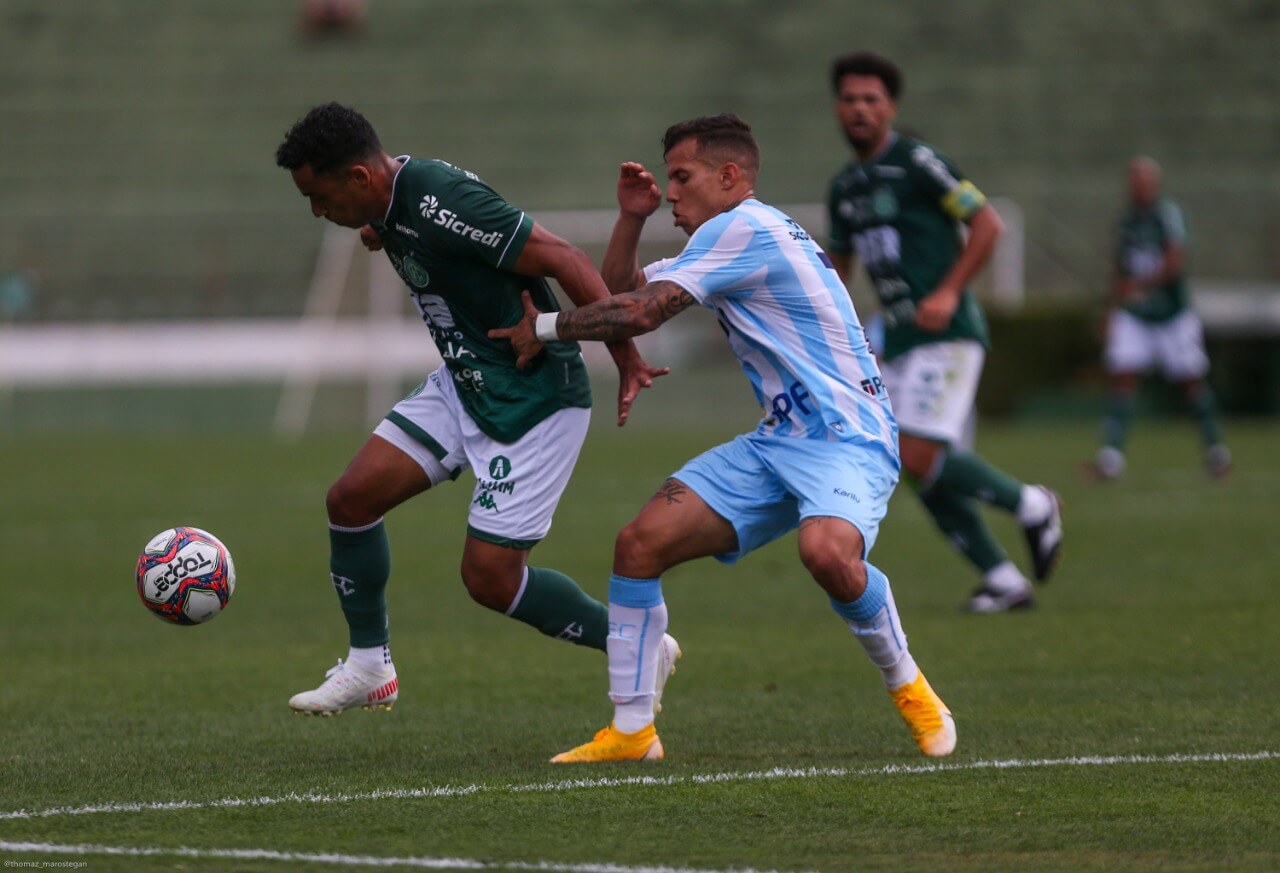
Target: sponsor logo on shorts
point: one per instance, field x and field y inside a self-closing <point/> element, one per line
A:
<point x="486" y="501"/>
<point x="840" y="492"/>
<point x="497" y="487"/>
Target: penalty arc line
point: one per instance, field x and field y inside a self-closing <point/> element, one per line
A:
<point x="450" y="791"/>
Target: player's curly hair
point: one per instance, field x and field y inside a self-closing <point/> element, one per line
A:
<point x="868" y="64"/>
<point x="720" y="137"/>
<point x="329" y="137"/>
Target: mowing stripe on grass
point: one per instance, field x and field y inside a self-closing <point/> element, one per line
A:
<point x="342" y="860"/>
<point x="695" y="779"/>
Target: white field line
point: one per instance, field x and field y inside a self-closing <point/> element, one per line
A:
<point x="448" y="791"/>
<point x="337" y="859"/>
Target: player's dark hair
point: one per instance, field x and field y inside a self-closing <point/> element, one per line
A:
<point x="868" y="64"/>
<point x="720" y="138"/>
<point x="329" y="137"/>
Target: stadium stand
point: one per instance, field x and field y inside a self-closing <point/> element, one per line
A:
<point x="138" y="137"/>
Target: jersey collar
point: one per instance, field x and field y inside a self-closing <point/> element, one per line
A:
<point x="889" y="143"/>
<point x="404" y="162"/>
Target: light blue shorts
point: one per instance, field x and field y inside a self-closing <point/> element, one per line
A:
<point x="765" y="485"/>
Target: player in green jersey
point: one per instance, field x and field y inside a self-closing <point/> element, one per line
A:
<point x="1150" y="323"/>
<point x="899" y="208"/>
<point x="466" y="256"/>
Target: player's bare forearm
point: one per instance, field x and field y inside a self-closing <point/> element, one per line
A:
<point x="984" y="229"/>
<point x="620" y="267"/>
<point x="625" y="315"/>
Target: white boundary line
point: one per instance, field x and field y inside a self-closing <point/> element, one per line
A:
<point x="447" y="791"/>
<point x="341" y="860"/>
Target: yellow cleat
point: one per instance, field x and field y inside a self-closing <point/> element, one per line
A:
<point x="610" y="744"/>
<point x="928" y="717"/>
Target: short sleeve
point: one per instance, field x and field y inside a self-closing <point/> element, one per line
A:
<point x="719" y="260"/>
<point x="943" y="182"/>
<point x="469" y="220"/>
<point x="651" y="270"/>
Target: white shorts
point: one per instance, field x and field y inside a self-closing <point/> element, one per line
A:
<point x="518" y="485"/>
<point x="1175" y="346"/>
<point x="932" y="388"/>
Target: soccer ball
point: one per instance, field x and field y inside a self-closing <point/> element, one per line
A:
<point x="185" y="575"/>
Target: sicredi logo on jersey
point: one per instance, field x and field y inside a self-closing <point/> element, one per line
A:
<point x="448" y="219"/>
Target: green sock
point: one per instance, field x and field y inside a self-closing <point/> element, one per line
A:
<point x="968" y="475"/>
<point x="958" y="518"/>
<point x="555" y="605"/>
<point x="360" y="564"/>
<point x="1205" y="409"/>
<point x="1115" y="426"/>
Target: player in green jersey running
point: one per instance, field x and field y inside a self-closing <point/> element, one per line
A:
<point x="1150" y="323"/>
<point x="898" y="208"/>
<point x="466" y="256"/>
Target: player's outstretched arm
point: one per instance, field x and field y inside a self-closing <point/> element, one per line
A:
<point x="545" y="254"/>
<point x="621" y="316"/>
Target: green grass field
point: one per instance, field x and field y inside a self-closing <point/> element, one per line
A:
<point x="1133" y="716"/>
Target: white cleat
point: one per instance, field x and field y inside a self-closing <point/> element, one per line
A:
<point x="346" y="686"/>
<point x="668" y="653"/>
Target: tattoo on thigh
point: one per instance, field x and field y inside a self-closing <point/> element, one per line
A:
<point x="810" y="521"/>
<point x="672" y="491"/>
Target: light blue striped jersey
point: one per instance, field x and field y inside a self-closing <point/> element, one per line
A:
<point x="791" y="323"/>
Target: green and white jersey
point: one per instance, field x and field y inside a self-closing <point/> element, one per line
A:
<point x="900" y="213"/>
<point x="454" y="241"/>
<point x="1142" y="238"/>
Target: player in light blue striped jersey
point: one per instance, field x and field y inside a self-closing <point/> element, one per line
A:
<point x="824" y="458"/>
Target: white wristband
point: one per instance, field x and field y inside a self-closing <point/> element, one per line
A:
<point x="544" y="327"/>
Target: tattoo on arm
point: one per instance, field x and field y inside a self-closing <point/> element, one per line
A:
<point x="625" y="315"/>
<point x="672" y="491"/>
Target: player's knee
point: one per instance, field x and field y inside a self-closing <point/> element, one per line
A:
<point x="635" y="552"/>
<point x="919" y="456"/>
<point x="493" y="587"/>
<point x="841" y="573"/>
<point x="346" y="506"/>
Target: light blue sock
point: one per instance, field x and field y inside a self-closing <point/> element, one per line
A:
<point x="874" y="620"/>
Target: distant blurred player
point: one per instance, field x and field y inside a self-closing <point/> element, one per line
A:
<point x="467" y="256"/>
<point x="824" y="458"/>
<point x="1150" y="323"/>
<point x="899" y="209"/>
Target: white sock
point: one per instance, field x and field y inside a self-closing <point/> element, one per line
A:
<point x="1034" y="505"/>
<point x="885" y="643"/>
<point x="376" y="659"/>
<point x="634" y="642"/>
<point x="1005" y="577"/>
